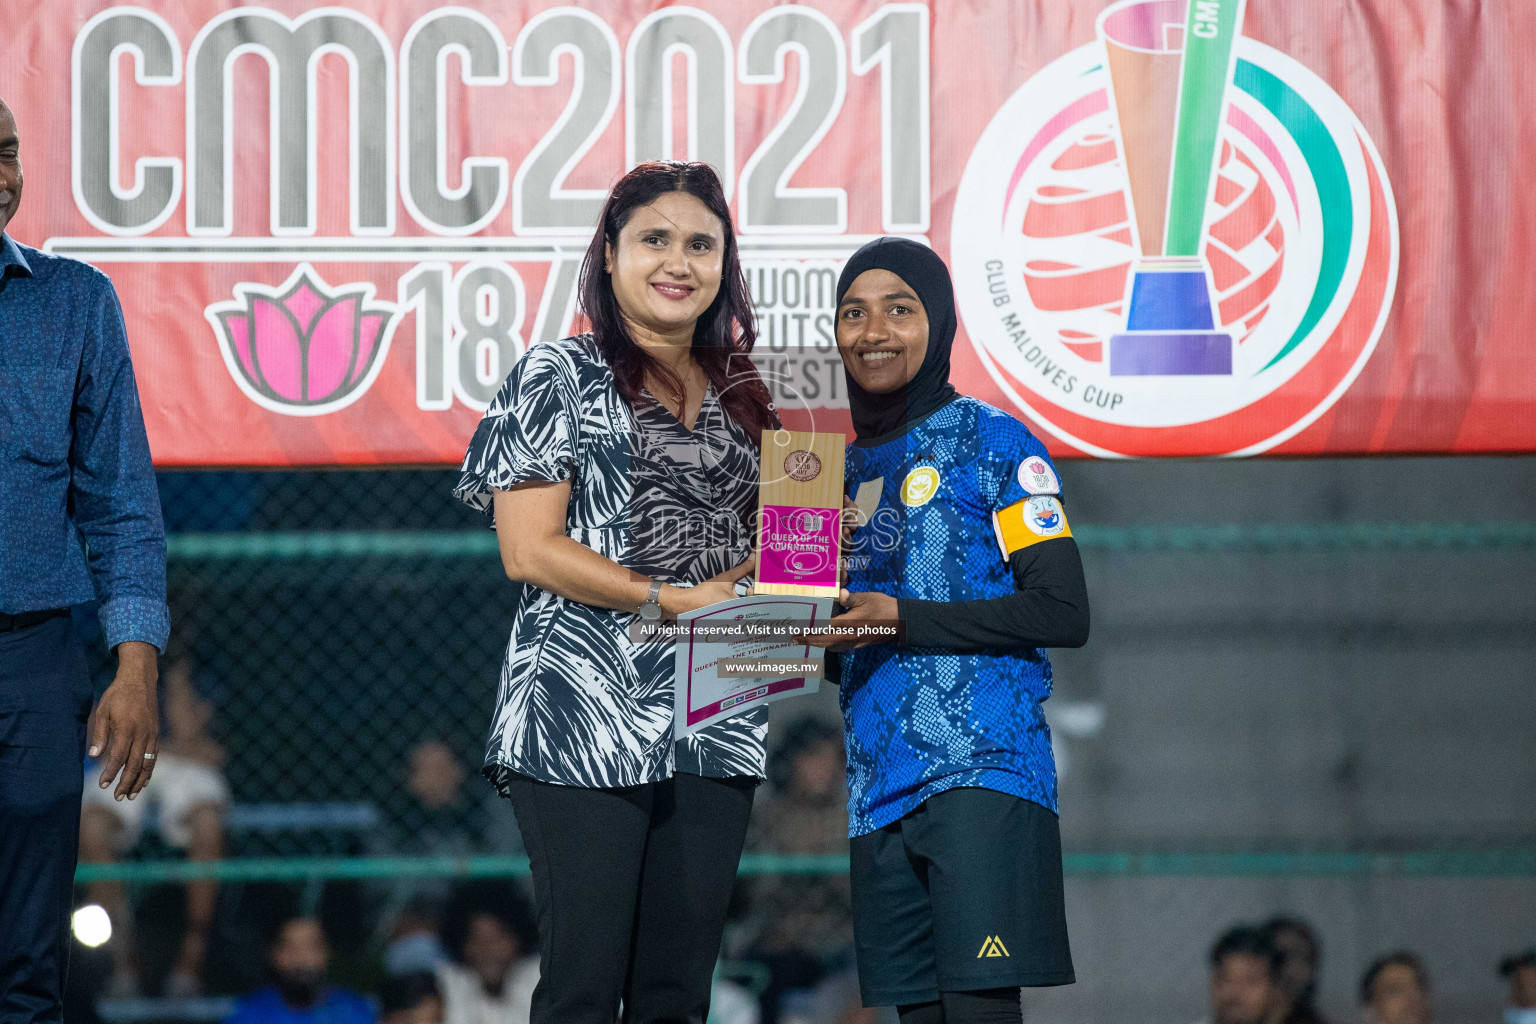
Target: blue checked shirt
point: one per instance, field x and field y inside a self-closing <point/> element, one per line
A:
<point x="74" y="460"/>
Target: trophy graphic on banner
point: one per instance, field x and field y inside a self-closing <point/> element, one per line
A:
<point x="800" y="507"/>
<point x="1169" y="64"/>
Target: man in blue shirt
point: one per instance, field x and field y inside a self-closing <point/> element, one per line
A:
<point x="74" y="466"/>
<point x="301" y="992"/>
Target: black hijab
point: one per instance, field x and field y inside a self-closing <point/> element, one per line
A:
<point x="879" y="418"/>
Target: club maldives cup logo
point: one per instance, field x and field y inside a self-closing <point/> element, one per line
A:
<point x="1174" y="240"/>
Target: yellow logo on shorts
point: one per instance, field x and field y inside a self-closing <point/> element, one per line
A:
<point x="920" y="485"/>
<point x="992" y="947"/>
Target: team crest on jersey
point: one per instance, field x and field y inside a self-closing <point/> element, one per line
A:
<point x="920" y="485"/>
<point x="1044" y="517"/>
<point x="1037" y="477"/>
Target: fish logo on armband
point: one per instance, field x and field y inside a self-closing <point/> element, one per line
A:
<point x="1044" y="516"/>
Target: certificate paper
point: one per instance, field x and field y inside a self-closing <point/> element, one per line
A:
<point x="703" y="696"/>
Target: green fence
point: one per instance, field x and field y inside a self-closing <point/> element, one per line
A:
<point x="213" y="547"/>
<point x="333" y="625"/>
<point x="1341" y="864"/>
<point x="338" y="637"/>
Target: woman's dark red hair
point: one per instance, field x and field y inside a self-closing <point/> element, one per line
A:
<point x="726" y="332"/>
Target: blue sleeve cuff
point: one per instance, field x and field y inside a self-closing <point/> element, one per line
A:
<point x="135" y="618"/>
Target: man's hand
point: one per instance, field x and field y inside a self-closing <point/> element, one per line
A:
<point x="127" y="721"/>
<point x="865" y="606"/>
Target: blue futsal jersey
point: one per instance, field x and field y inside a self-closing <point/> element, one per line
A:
<point x="921" y="720"/>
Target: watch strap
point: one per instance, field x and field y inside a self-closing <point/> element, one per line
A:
<point x="652" y="601"/>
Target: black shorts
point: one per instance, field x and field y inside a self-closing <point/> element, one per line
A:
<point x="964" y="893"/>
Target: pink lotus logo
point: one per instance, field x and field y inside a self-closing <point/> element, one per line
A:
<point x="301" y="348"/>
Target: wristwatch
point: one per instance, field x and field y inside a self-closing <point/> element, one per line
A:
<point x="650" y="608"/>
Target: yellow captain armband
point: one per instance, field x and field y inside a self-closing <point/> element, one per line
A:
<point x="1029" y="522"/>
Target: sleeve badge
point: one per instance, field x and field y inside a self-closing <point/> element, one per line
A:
<point x="1037" y="477"/>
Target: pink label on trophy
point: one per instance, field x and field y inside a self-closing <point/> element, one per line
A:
<point x="798" y="546"/>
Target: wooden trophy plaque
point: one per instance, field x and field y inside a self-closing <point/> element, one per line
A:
<point x="799" y="513"/>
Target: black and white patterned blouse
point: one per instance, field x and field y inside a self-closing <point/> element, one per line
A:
<point x="579" y="702"/>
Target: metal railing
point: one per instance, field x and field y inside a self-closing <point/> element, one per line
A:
<point x="282" y="546"/>
<point x="1509" y="863"/>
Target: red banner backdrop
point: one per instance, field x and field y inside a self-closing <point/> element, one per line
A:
<point x="1176" y="227"/>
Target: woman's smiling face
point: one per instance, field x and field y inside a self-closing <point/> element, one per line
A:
<point x="882" y="331"/>
<point x="666" y="263"/>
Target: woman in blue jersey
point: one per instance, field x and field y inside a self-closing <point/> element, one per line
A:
<point x="956" y="854"/>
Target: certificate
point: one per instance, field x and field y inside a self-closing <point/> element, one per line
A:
<point x="745" y="634"/>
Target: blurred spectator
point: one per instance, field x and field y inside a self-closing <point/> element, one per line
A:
<point x="188" y="797"/>
<point x="415" y="944"/>
<point x="301" y="992"/>
<point x="443" y="816"/>
<point x="490" y="935"/>
<point x="1395" y="990"/>
<point x="1520" y="969"/>
<point x="1245" y="979"/>
<point x="729" y="1003"/>
<point x="801" y="926"/>
<point x="412" y="998"/>
<point x="1300" y="958"/>
<point x="439" y="815"/>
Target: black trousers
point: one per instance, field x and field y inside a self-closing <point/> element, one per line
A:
<point x="632" y="886"/>
<point x="45" y="699"/>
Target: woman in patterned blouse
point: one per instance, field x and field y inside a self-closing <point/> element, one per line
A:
<point x="622" y="469"/>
